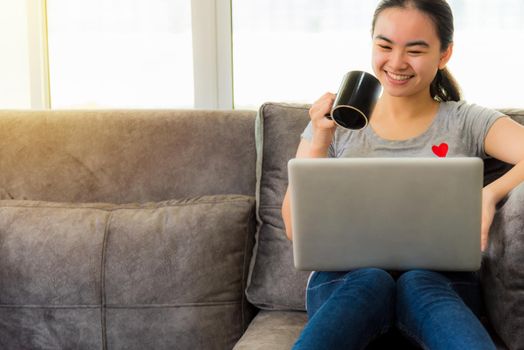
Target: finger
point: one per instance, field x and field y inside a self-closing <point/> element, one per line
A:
<point x="321" y="112"/>
<point x="331" y="100"/>
<point x="329" y="96"/>
<point x="324" y="103"/>
<point x="326" y="97"/>
<point x="483" y="239"/>
<point x="318" y="110"/>
<point x="326" y="123"/>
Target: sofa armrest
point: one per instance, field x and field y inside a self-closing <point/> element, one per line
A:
<point x="503" y="270"/>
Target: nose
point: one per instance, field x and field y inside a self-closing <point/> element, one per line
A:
<point x="397" y="60"/>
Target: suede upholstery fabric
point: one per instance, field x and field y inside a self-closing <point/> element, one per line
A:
<point x="503" y="270"/>
<point x="125" y="276"/>
<point x="123" y="156"/>
<point x="503" y="264"/>
<point x="50" y="267"/>
<point x="273" y="330"/>
<point x="278" y="330"/>
<point x="274" y="284"/>
<point x="93" y="281"/>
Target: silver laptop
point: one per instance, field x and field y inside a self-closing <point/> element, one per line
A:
<point x="390" y="213"/>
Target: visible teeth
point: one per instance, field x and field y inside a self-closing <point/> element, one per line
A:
<point x="399" y="77"/>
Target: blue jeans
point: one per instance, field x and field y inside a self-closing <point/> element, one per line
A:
<point x="347" y="310"/>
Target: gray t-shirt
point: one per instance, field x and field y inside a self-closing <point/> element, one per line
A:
<point x="458" y="130"/>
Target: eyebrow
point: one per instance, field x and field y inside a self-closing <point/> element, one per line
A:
<point x="411" y="43"/>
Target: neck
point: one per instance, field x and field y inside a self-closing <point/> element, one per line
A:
<point x="406" y="108"/>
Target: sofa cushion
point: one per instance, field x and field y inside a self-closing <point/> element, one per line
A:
<point x="275" y="330"/>
<point x="502" y="270"/>
<point x="159" y="275"/>
<point x="50" y="276"/>
<point x="502" y="273"/>
<point x="274" y="283"/>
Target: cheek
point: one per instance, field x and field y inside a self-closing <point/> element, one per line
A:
<point x="377" y="60"/>
<point x="428" y="69"/>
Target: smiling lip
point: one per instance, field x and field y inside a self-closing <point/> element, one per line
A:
<point x="398" y="78"/>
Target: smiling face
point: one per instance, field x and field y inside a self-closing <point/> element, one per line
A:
<point x="407" y="52"/>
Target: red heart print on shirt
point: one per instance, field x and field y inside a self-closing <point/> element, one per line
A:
<point x="440" y="150"/>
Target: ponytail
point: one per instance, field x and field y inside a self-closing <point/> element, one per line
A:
<point x="444" y="87"/>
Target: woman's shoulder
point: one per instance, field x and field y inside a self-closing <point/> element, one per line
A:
<point x="465" y="110"/>
<point x="466" y="107"/>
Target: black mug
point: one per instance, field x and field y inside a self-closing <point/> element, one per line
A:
<point x="355" y="101"/>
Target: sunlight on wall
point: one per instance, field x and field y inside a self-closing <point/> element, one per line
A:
<point x="14" y="58"/>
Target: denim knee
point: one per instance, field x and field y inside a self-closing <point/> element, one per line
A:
<point x="372" y="281"/>
<point x="381" y="286"/>
<point x="370" y="276"/>
<point x="414" y="284"/>
<point x="377" y="277"/>
<point x="432" y="313"/>
<point x="413" y="278"/>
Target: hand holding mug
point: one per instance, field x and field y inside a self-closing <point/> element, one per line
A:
<point x="323" y="128"/>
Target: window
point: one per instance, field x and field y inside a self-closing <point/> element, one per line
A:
<point x="296" y="50"/>
<point x="120" y="53"/>
<point x="207" y="54"/>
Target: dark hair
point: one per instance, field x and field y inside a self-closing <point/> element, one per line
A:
<point x="443" y="87"/>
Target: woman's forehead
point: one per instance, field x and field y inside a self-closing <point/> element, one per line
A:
<point x="404" y="25"/>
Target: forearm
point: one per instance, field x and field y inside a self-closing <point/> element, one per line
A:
<point x="311" y="151"/>
<point x="317" y="147"/>
<point x="286" y="215"/>
<point x="503" y="185"/>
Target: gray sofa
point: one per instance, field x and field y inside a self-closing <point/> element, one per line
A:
<point x="161" y="229"/>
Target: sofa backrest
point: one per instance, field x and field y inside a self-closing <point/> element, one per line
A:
<point x="122" y="156"/>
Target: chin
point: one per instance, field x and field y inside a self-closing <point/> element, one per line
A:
<point x="395" y="92"/>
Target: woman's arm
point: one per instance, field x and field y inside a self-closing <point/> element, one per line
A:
<point x="504" y="141"/>
<point x="323" y="130"/>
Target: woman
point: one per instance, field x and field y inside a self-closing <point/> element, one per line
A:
<point x="418" y="113"/>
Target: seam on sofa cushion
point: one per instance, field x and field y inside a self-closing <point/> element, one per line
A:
<point x="103" y="282"/>
<point x="271" y="207"/>
<point x="259" y="146"/>
<point x="248" y="254"/>
<point x="110" y="207"/>
<point x="36" y="306"/>
<point x="174" y="306"/>
<point x="242" y="283"/>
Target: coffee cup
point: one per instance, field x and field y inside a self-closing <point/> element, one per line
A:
<point x="355" y="101"/>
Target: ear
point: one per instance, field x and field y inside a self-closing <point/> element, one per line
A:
<point x="445" y="56"/>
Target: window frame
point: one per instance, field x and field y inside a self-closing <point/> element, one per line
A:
<point x="40" y="91"/>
